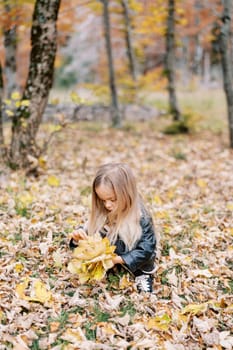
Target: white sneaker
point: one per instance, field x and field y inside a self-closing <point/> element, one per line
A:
<point x="144" y="283"/>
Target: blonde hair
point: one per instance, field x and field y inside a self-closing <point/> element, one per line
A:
<point x="124" y="221"/>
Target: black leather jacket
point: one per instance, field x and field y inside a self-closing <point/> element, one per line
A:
<point x="142" y="257"/>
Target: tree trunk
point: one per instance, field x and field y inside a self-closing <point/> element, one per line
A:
<point x="128" y="38"/>
<point x="10" y="44"/>
<point x="170" y="60"/>
<point x="27" y="119"/>
<point x="206" y="68"/>
<point x="198" y="54"/>
<point x="198" y="50"/>
<point x="2" y="147"/>
<point x="116" y="117"/>
<point x="185" y="61"/>
<point x="224" y="42"/>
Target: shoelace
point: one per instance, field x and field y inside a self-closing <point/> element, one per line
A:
<point x="143" y="282"/>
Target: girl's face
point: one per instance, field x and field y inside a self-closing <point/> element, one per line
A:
<point x="107" y="195"/>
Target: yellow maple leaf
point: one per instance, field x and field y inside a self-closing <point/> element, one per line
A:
<point x="7" y="102"/>
<point x="15" y="95"/>
<point x="20" y="288"/>
<point x="159" y="322"/>
<point x="25" y="103"/>
<point x="71" y="221"/>
<point x="18" y="267"/>
<point x="157" y="200"/>
<point x="42" y="162"/>
<point x="230" y="206"/>
<point x="53" y="181"/>
<point x="2" y="315"/>
<point x="125" y="282"/>
<point x="195" y="309"/>
<point x="9" y="113"/>
<point x="171" y="193"/>
<point x="162" y="214"/>
<point x="40" y="293"/>
<point x="17" y="104"/>
<point x="92" y="258"/>
<point x="201" y="183"/>
<point x="180" y="319"/>
<point x="108" y="328"/>
<point x="25" y="198"/>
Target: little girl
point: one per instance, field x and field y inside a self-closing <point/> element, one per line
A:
<point x="118" y="213"/>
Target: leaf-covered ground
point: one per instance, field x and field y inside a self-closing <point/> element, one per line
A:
<point x="187" y="183"/>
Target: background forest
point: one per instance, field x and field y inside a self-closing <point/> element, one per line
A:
<point x="140" y="58"/>
<point x="149" y="83"/>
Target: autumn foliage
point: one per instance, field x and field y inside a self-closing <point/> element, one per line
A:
<point x="186" y="182"/>
<point x="92" y="258"/>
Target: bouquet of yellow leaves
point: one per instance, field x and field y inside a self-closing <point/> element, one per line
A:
<point x="92" y="258"/>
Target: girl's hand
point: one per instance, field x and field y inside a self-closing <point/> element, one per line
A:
<point x="117" y="260"/>
<point x="79" y="234"/>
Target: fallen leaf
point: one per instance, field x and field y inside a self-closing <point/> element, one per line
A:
<point x="226" y="340"/>
<point x="201" y="183"/>
<point x="159" y="322"/>
<point x="204" y="325"/>
<point x="58" y="258"/>
<point x="73" y="335"/>
<point x="125" y="282"/>
<point x="20" y="288"/>
<point x="38" y="292"/>
<point x="53" y="181"/>
<point x="15" y="95"/>
<point x="195" y="309"/>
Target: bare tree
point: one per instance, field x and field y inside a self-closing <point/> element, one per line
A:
<point x="116" y="116"/>
<point x="27" y="119"/>
<point x="170" y="60"/>
<point x="128" y="38"/>
<point x="225" y="51"/>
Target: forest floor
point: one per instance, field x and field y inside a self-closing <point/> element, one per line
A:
<point x="187" y="184"/>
